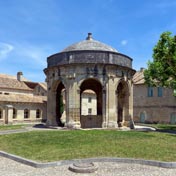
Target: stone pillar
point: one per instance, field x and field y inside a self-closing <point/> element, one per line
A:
<point x="73" y="106"/>
<point x="104" y="122"/>
<point x="111" y="104"/>
<point x="51" y="109"/>
<point x="131" y="103"/>
<point x="8" y="114"/>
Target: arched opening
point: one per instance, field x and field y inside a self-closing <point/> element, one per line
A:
<point x="38" y="113"/>
<point x="122" y="102"/>
<point x="88" y="102"/>
<point x="91" y="114"/>
<point x="26" y="113"/>
<point x="1" y="113"/>
<point x="60" y="104"/>
<point x="14" y="113"/>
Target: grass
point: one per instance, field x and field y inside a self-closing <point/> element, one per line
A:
<point x="62" y="145"/>
<point x="11" y="127"/>
<point x="168" y="127"/>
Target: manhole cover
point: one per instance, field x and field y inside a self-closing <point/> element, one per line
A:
<point x="83" y="167"/>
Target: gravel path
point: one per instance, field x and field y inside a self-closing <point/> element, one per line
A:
<point x="12" y="168"/>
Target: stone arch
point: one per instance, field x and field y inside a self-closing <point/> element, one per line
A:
<point x="127" y="84"/>
<point x="59" y="103"/>
<point x="123" y="93"/>
<point x="56" y="84"/>
<point x="96" y="86"/>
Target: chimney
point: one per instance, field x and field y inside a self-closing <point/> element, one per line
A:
<point x="142" y="69"/>
<point x="20" y="76"/>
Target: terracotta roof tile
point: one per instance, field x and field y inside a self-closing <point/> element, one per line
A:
<point x="11" y="82"/>
<point x="44" y="85"/>
<point x="138" y="78"/>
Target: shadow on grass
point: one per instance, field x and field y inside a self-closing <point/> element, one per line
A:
<point x="166" y="131"/>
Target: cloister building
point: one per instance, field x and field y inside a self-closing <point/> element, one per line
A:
<point x="21" y="100"/>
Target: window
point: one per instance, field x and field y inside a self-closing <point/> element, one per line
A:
<point x="150" y="91"/>
<point x="89" y="111"/>
<point x="160" y="92"/>
<point x="0" y="113"/>
<point x="14" y="113"/>
<point x="90" y="99"/>
<point x="38" y="113"/>
<point x="173" y="118"/>
<point x="26" y="113"/>
<point x="142" y="117"/>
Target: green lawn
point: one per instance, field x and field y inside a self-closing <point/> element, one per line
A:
<point x="165" y="127"/>
<point x="11" y="127"/>
<point x="62" y="145"/>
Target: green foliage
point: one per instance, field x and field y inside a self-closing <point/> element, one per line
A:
<point x="162" y="71"/>
<point x="74" y="144"/>
<point x="61" y="104"/>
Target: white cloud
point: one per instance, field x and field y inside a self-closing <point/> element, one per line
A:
<point x="124" y="42"/>
<point x="5" y="49"/>
<point x="34" y="55"/>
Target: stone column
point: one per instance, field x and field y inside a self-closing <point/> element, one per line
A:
<point x="51" y="109"/>
<point x="131" y="103"/>
<point x="8" y="114"/>
<point x="111" y="103"/>
<point x="104" y="122"/>
<point x="73" y="105"/>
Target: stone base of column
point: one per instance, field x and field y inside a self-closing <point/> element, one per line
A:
<point x="112" y="124"/>
<point x="50" y="122"/>
<point x="73" y="125"/>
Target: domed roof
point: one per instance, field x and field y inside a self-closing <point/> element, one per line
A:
<point x="89" y="44"/>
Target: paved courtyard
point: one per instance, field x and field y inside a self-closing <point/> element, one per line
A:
<point x="12" y="168"/>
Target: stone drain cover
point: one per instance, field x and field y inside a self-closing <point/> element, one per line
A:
<point x="83" y="167"/>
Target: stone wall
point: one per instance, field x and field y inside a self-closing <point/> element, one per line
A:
<point x="154" y="109"/>
<point x="8" y="116"/>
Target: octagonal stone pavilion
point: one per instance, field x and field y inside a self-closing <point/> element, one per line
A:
<point x="89" y="65"/>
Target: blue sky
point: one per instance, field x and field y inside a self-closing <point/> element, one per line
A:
<point x="32" y="30"/>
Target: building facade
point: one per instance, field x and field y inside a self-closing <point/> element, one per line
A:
<point x="90" y="65"/>
<point x="153" y="104"/>
<point x="21" y="101"/>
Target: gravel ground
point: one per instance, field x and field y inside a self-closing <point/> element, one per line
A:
<point x="12" y="168"/>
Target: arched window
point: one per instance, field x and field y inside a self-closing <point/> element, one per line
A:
<point x="173" y="118"/>
<point x="1" y="113"/>
<point x="14" y="113"/>
<point x="38" y="113"/>
<point x="26" y="113"/>
<point x="142" y="117"/>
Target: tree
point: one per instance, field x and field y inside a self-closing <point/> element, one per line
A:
<point x="162" y="71"/>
